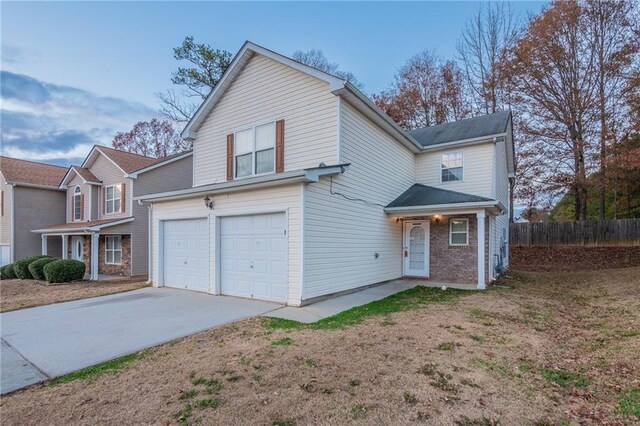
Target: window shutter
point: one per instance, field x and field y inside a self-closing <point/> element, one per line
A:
<point x="230" y="157"/>
<point x="81" y="206"/>
<point x="1" y="203"/>
<point x="72" y="212"/>
<point x="123" y="197"/>
<point x="279" y="146"/>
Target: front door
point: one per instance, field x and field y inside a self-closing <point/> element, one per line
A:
<point x="416" y="249"/>
<point x="77" y="247"/>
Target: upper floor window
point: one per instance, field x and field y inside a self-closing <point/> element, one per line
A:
<point x="452" y="167"/>
<point x="113" y="199"/>
<point x="254" y="150"/>
<point x="459" y="232"/>
<point x="77" y="204"/>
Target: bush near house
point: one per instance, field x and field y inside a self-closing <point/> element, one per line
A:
<point x="36" y="268"/>
<point x="64" y="271"/>
<point x="21" y="267"/>
<point x="7" y="272"/>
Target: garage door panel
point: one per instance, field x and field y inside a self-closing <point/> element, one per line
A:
<point x="186" y="254"/>
<point x="253" y="256"/>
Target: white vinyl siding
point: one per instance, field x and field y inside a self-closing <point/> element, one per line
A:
<point x="342" y="237"/>
<point x="267" y="200"/>
<point x="500" y="226"/>
<point x="6" y="227"/>
<point x="478" y="170"/>
<point x="266" y="91"/>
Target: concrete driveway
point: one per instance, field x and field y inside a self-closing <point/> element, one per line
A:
<point x="50" y="341"/>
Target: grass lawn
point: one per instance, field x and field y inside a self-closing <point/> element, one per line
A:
<point x="558" y="348"/>
<point x="20" y="294"/>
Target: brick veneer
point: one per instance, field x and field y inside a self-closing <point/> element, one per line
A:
<point x="457" y="264"/>
<point x="123" y="269"/>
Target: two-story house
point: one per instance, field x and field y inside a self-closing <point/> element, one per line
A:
<point x="27" y="189"/>
<point x="304" y="188"/>
<point x="103" y="226"/>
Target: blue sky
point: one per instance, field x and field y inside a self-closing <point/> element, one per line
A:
<point x="114" y="57"/>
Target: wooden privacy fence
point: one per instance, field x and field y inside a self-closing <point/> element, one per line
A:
<point x="615" y="232"/>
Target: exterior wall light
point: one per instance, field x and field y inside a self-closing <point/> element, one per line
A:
<point x="437" y="218"/>
<point x="208" y="202"/>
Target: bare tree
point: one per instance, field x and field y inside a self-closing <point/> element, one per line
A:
<point x="482" y="49"/>
<point x="316" y="59"/>
<point x="615" y="48"/>
<point x="153" y="138"/>
<point x="553" y="70"/>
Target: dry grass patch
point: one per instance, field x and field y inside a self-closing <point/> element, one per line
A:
<point x="529" y="368"/>
<point x="20" y="294"/>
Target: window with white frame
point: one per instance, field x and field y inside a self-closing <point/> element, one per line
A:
<point x="113" y="199"/>
<point x="254" y="150"/>
<point x="77" y="204"/>
<point x="452" y="167"/>
<point x="459" y="232"/>
<point x="113" y="250"/>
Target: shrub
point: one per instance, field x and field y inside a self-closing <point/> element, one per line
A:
<point x="7" y="272"/>
<point x="64" y="271"/>
<point x="36" y="268"/>
<point x="21" y="267"/>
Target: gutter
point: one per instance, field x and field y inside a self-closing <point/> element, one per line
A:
<point x="470" y="141"/>
<point x="456" y="206"/>
<point x="297" y="176"/>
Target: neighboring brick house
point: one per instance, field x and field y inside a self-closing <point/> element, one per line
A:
<point x="30" y="197"/>
<point x="103" y="226"/>
<point x="304" y="188"/>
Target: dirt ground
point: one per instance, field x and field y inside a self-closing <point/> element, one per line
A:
<point x="558" y="348"/>
<point x="20" y="294"/>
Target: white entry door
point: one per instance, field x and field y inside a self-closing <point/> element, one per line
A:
<point x="186" y="254"/>
<point x="77" y="247"/>
<point x="416" y="249"/>
<point x="253" y="256"/>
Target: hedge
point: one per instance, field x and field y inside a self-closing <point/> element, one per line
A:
<point x="21" y="267"/>
<point x="64" y="271"/>
<point x="36" y="268"/>
<point x="7" y="272"/>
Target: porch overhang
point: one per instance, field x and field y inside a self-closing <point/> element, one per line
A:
<point x="494" y="208"/>
<point x="81" y="228"/>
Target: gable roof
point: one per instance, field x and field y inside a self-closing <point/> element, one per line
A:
<point x="31" y="173"/>
<point x="85" y="174"/>
<point x="469" y="128"/>
<point x="338" y="86"/>
<point x="423" y="195"/>
<point x="128" y="162"/>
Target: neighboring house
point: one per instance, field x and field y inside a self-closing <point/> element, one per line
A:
<point x="30" y="197"/>
<point x="103" y="226"/>
<point x="304" y="188"/>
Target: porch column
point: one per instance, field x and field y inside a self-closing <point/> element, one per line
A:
<point x="481" y="264"/>
<point x="44" y="244"/>
<point x="94" y="257"/>
<point x="65" y="247"/>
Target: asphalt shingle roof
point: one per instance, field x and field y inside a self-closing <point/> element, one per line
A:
<point x="30" y="172"/>
<point x="130" y="162"/>
<point x="468" y="128"/>
<point x="86" y="174"/>
<point x="423" y="195"/>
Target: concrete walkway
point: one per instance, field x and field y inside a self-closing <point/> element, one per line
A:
<point x="335" y="305"/>
<point x="50" y="341"/>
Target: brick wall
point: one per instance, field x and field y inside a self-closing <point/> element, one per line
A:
<point x="123" y="269"/>
<point x="457" y="264"/>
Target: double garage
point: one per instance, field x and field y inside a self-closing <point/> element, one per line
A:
<point x="251" y="251"/>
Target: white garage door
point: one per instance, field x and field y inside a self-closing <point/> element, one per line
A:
<point x="254" y="256"/>
<point x="186" y="254"/>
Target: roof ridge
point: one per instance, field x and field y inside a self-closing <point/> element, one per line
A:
<point x="34" y="162"/>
